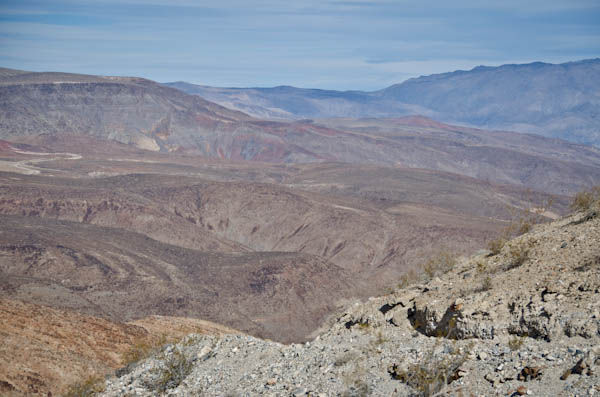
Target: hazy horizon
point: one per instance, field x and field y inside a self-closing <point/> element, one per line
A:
<point x="343" y="45"/>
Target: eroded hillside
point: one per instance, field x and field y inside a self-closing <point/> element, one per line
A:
<point x="112" y="231"/>
<point x="521" y="320"/>
<point x="276" y="245"/>
<point x="123" y="276"/>
<point x="45" y="350"/>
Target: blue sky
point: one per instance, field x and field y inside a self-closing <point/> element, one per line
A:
<point x="332" y="44"/>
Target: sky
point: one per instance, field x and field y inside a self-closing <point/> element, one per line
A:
<point x="331" y="44"/>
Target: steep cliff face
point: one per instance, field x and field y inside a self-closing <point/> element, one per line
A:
<point x="128" y="110"/>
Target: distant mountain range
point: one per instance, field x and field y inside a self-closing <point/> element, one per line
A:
<point x="155" y="117"/>
<point x="553" y="100"/>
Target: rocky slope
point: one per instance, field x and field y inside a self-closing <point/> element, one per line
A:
<point x="44" y="350"/>
<point x="559" y="100"/>
<point x="524" y="320"/>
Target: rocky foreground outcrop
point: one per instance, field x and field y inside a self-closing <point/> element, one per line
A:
<point x="523" y="321"/>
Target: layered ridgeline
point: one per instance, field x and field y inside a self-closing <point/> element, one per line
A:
<point x="125" y="109"/>
<point x="112" y="233"/>
<point x="266" y="249"/>
<point x="523" y="319"/>
<point x="155" y="117"/>
<point x="561" y="101"/>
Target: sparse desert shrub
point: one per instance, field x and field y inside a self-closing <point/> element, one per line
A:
<point x="481" y="267"/>
<point x="519" y="253"/>
<point x="172" y="372"/>
<point x="442" y="262"/>
<point x="89" y="387"/>
<point x="522" y="221"/>
<point x="407" y="279"/>
<point x="496" y="245"/>
<point x="142" y="349"/>
<point x="139" y="351"/>
<point x="355" y="383"/>
<point x="380" y="338"/>
<point x="433" y="373"/>
<point x="374" y="346"/>
<point x="515" y="343"/>
<point x="486" y="285"/>
<point x="429" y="269"/>
<point x="363" y="326"/>
<point x="583" y="200"/>
<point x="524" y="225"/>
<point x="346" y="358"/>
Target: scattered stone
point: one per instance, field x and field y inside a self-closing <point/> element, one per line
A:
<point x="494" y="379"/>
<point x="299" y="391"/>
<point x="585" y="366"/>
<point x="529" y="373"/>
<point x="204" y="352"/>
<point x="461" y="373"/>
<point x="457" y="305"/>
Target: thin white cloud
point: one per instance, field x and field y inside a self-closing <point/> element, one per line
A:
<point x="346" y="44"/>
